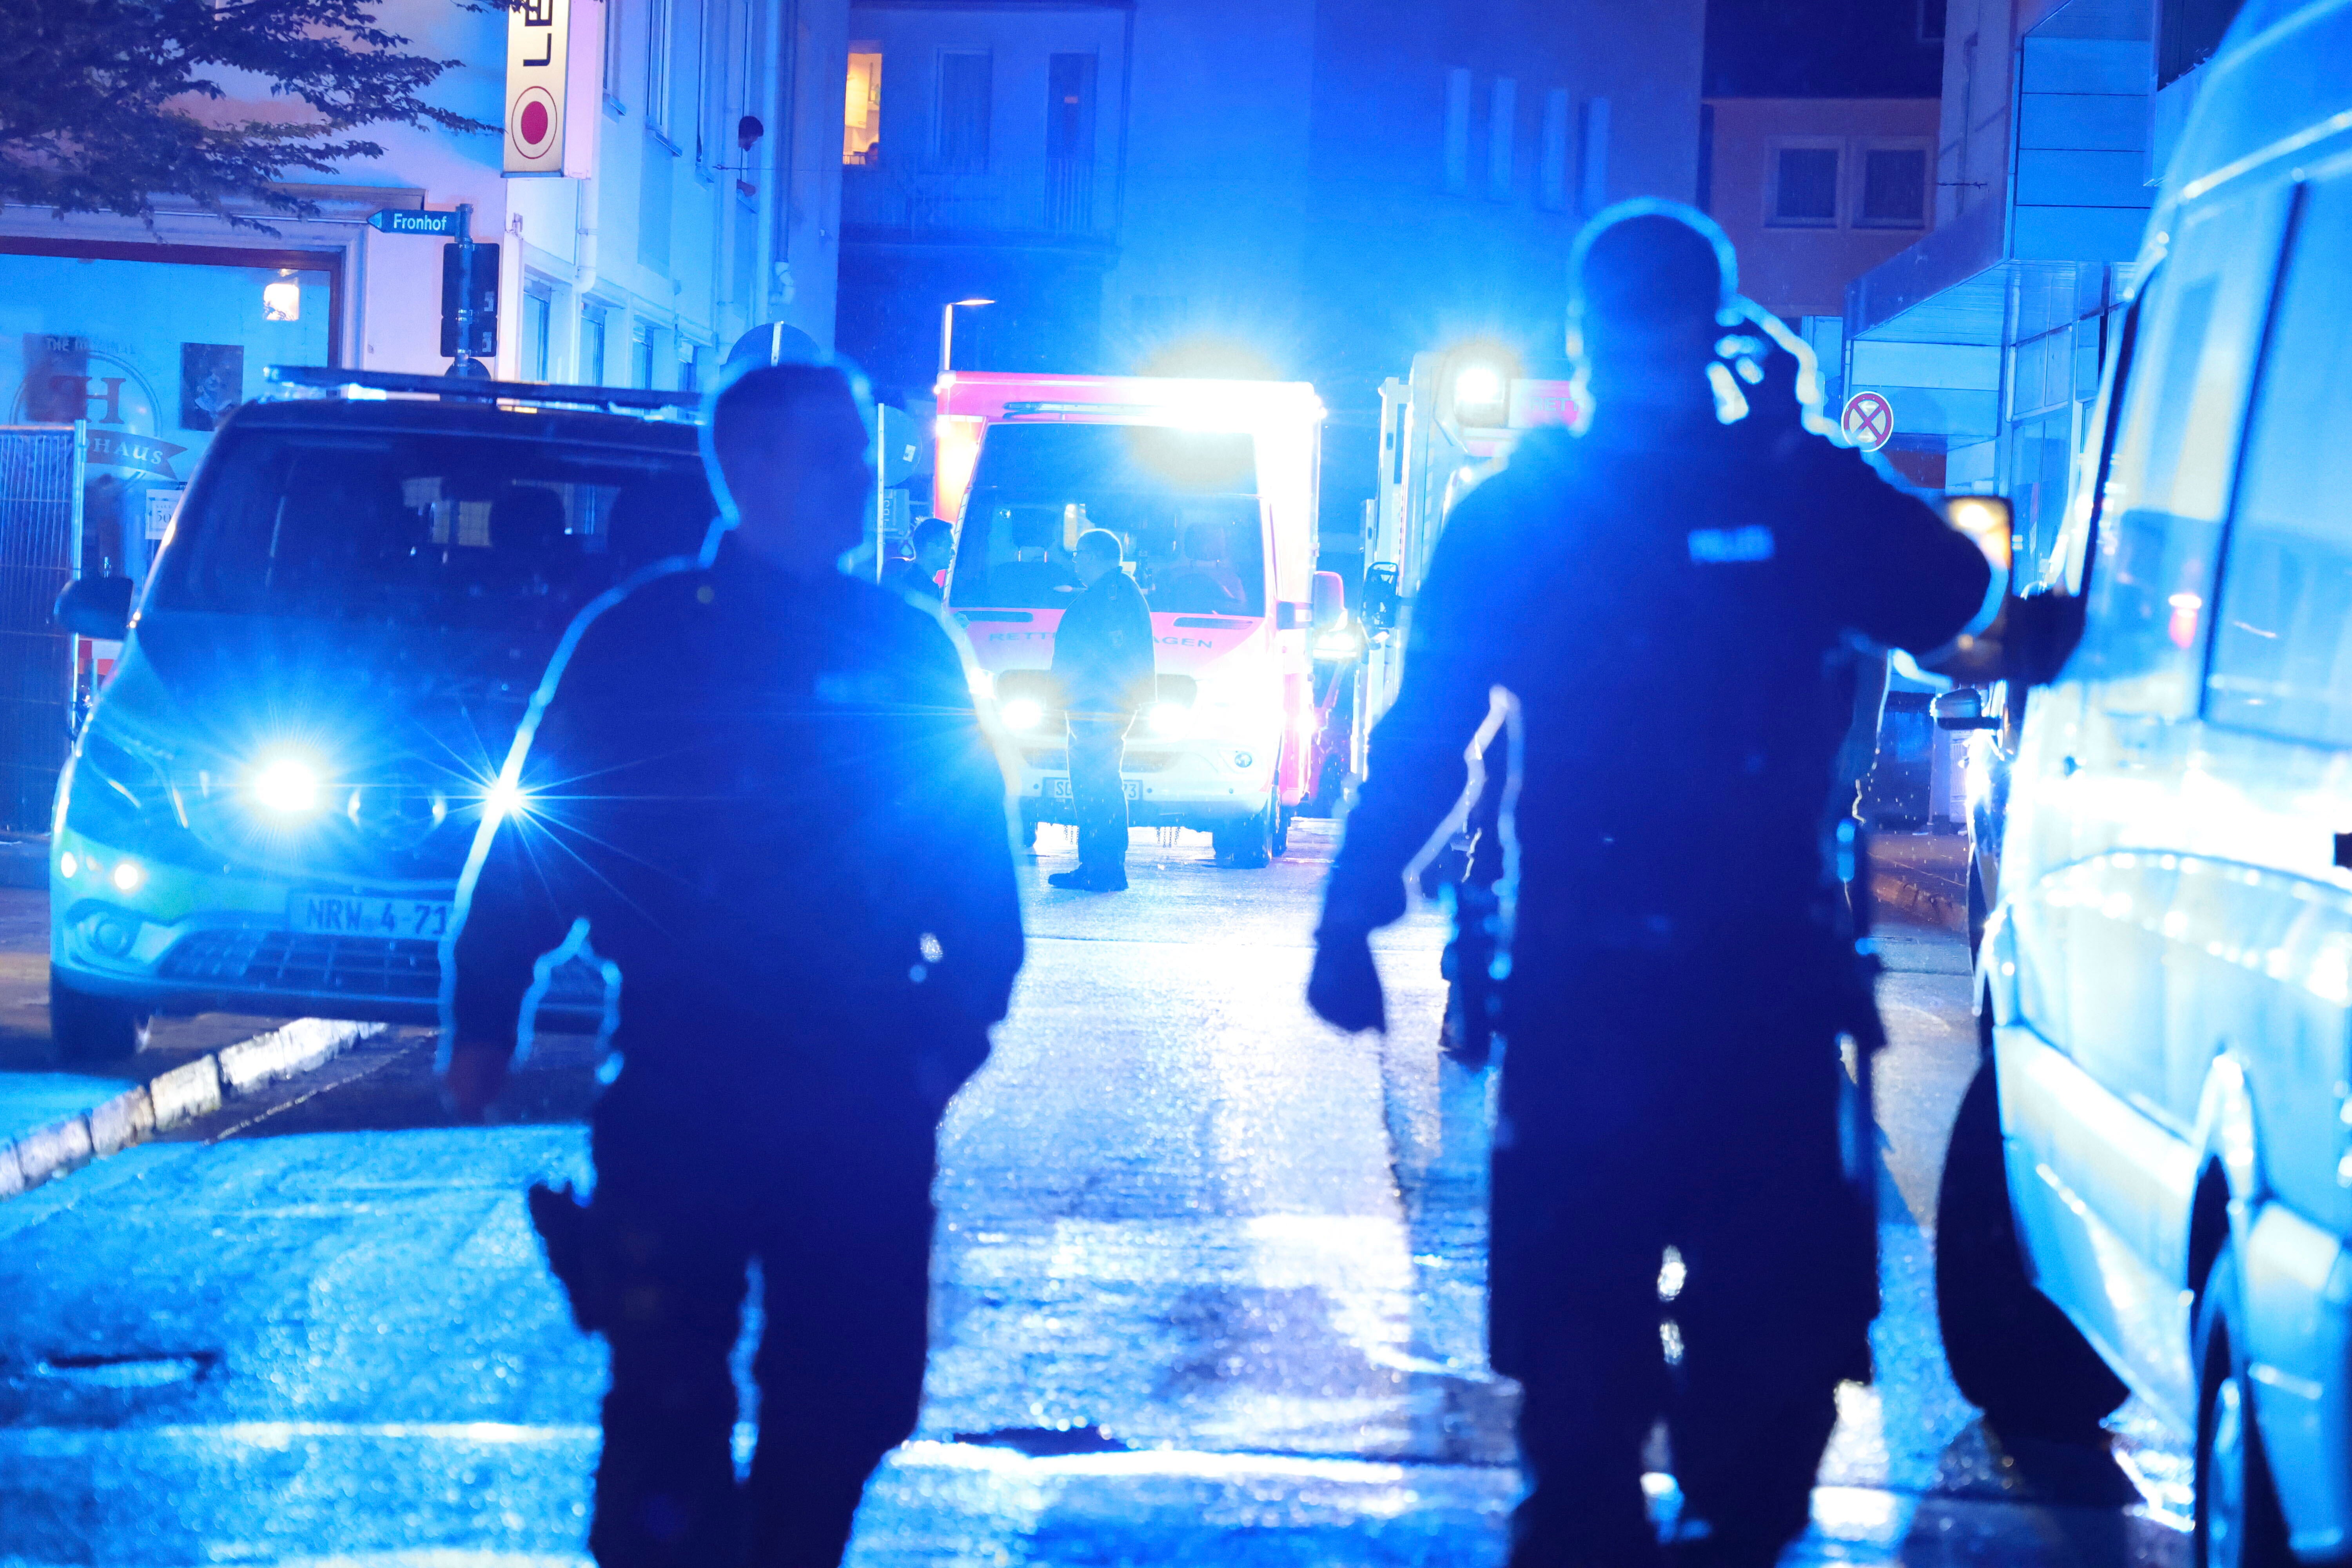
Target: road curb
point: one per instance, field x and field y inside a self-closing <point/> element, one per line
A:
<point x="170" y="1098"/>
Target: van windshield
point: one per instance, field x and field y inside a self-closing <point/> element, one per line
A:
<point x="1183" y="503"/>
<point x="427" y="529"/>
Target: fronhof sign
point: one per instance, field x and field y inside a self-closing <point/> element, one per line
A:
<point x="554" y="61"/>
<point x="1869" y="421"/>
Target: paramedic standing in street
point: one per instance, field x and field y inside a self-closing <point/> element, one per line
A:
<point x="1661" y="613"/>
<point x="794" y="847"/>
<point x="1103" y="661"/>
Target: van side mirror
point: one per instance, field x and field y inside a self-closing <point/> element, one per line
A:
<point x="1328" y="600"/>
<point x="1962" y="708"/>
<point x="1378" y="607"/>
<point x="96" y="607"/>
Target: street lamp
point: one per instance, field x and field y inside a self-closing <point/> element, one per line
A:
<point x="947" y="330"/>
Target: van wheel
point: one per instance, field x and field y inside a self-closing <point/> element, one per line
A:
<point x="2239" y="1524"/>
<point x="1282" y="817"/>
<point x="1249" y="843"/>
<point x="2013" y="1353"/>
<point x="93" y="1028"/>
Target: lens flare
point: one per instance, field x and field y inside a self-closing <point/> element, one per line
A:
<point x="286" y="785"/>
<point x="1023" y="713"/>
<point x="503" y="800"/>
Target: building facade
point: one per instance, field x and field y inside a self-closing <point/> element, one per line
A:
<point x="681" y="237"/>
<point x="1280" y="187"/>
<point x="1988" y="336"/>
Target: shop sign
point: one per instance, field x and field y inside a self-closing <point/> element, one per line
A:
<point x="554" y="61"/>
<point x="66" y="379"/>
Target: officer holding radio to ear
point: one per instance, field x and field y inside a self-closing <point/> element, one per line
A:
<point x="1675" y="970"/>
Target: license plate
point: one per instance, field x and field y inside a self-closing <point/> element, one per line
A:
<point x="1060" y="788"/>
<point x="333" y="914"/>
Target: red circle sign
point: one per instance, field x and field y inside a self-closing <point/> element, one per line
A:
<point x="1869" y="420"/>
<point x="534" y="122"/>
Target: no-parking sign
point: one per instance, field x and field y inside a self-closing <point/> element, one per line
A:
<point x="1868" y="420"/>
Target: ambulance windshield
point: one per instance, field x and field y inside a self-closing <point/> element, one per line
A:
<point x="1183" y="503"/>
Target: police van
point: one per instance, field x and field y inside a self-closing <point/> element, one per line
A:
<point x="268" y="806"/>
<point x="2149" y="1186"/>
<point x="1211" y="487"/>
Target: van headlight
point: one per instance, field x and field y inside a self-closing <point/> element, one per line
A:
<point x="1022" y="713"/>
<point x="286" y="785"/>
<point x="1170" y="720"/>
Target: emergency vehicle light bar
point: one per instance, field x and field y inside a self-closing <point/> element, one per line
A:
<point x="368" y="384"/>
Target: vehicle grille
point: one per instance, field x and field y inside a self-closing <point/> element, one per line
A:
<point x="406" y="971"/>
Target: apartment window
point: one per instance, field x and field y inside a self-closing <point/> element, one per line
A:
<point x="537" y="307"/>
<point x="1893" y="188"/>
<point x="592" y="345"/>
<point x="1502" y="136"/>
<point x="1069" y="144"/>
<point x="659" y="22"/>
<point x="689" y="368"/>
<point x="641" y="357"/>
<point x="2187" y="34"/>
<point x="963" y="112"/>
<point x="1457" y="132"/>
<point x="861" y="110"/>
<point x="1805" y="187"/>
<point x="612" y="54"/>
<point x="1593" y="182"/>
<point x="1552" y="166"/>
<point x="712" y="18"/>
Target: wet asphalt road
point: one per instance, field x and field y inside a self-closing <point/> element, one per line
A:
<point x="1236" y="1252"/>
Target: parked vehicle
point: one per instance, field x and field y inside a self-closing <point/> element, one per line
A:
<point x="268" y="806"/>
<point x="1211" y="487"/>
<point x="2149" y="1186"/>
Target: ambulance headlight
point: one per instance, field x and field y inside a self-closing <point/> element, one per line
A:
<point x="1173" y="721"/>
<point x="1022" y="713"/>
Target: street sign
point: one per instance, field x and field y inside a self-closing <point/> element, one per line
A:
<point x="483" y="297"/>
<point x="555" y="63"/>
<point x="1868" y="421"/>
<point x="414" y="220"/>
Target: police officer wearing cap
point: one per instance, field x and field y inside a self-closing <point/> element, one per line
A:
<point x="761" y="791"/>
<point x="1661" y="614"/>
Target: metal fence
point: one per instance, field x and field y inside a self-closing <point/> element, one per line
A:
<point x="40" y="545"/>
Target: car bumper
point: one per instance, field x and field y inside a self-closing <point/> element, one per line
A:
<point x="187" y="941"/>
<point x="1184" y="784"/>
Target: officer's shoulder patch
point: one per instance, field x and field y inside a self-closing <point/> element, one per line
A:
<point x="1721" y="546"/>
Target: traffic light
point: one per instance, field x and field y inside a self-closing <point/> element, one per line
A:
<point x="483" y="294"/>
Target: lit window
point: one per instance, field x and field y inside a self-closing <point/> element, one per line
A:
<point x="861" y="111"/>
<point x="1805" y="190"/>
<point x="281" y="300"/>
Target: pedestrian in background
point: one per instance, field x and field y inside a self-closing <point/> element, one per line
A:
<point x="1103" y="663"/>
<point x="1658" y="613"/>
<point x="761" y="791"/>
<point x="934" y="544"/>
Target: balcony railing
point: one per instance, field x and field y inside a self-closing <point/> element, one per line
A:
<point x="1057" y="202"/>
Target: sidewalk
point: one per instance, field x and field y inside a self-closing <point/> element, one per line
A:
<point x="56" y="1116"/>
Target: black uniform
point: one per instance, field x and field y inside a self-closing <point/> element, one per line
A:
<point x="1671" y="603"/>
<point x="1103" y="659"/>
<point x="771" y="802"/>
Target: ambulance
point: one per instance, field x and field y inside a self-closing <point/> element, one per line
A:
<point x="1453" y="422"/>
<point x="1211" y="487"/>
